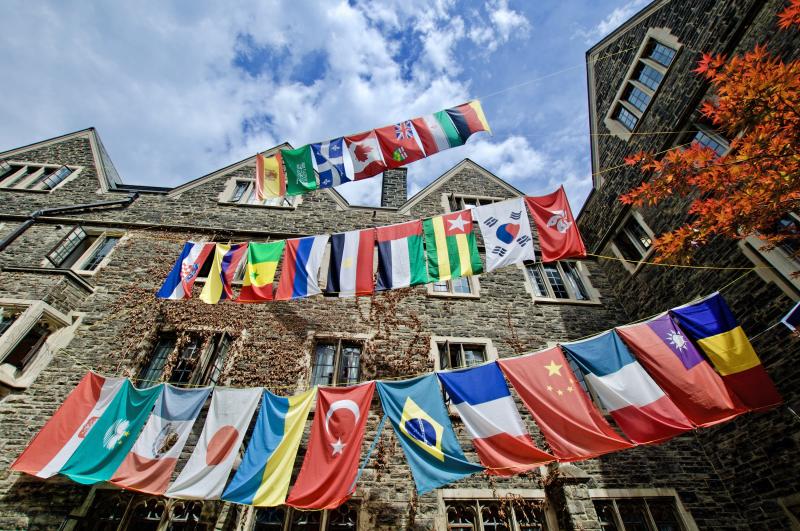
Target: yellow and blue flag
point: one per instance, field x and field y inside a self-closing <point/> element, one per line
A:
<point x="420" y="421"/>
<point x="223" y="268"/>
<point x="263" y="477"/>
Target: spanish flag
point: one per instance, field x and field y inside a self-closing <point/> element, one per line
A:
<point x="468" y="118"/>
<point x="270" y="177"/>
<point x="262" y="262"/>
<point x="712" y="325"/>
<point x="451" y="246"/>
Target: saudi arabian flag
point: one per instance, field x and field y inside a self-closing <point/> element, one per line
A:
<point x="300" y="177"/>
<point x="262" y="262"/>
<point x="451" y="246"/>
<point x="112" y="435"/>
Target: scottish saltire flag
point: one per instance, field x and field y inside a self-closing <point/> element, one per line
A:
<point x="179" y="282"/>
<point x="350" y="270"/>
<point x="451" y="246"/>
<point x="420" y="421"/>
<point x="302" y="259"/>
<point x="681" y="371"/>
<point x="401" y="258"/>
<point x="638" y="405"/>
<point x="484" y="403"/>
<point x="263" y="477"/>
<point x="149" y="465"/>
<point x="506" y="232"/>
<point x="713" y="326"/>
<point x="111" y="437"/>
<point x="67" y="428"/>
<point x="329" y="157"/>
<point x="220" y="277"/>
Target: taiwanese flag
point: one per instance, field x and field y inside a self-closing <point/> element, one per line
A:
<point x="572" y="426"/>
<point x="676" y="365"/>
<point x="350" y="271"/>
<point x="399" y="144"/>
<point x="558" y="234"/>
<point x="327" y="477"/>
<point x="713" y="326"/>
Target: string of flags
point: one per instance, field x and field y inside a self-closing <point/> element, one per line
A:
<point x="687" y="368"/>
<point x="415" y="252"/>
<point x="292" y="171"/>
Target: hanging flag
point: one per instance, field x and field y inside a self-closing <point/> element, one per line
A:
<point x="327" y="477"/>
<point x="420" y="422"/>
<point x="558" y="234"/>
<point x="399" y="144"/>
<point x="149" y="465"/>
<point x="299" y="167"/>
<point x="270" y="177"/>
<point x="60" y="436"/>
<point x="401" y="259"/>
<point x="302" y="259"/>
<point x="262" y="478"/>
<point x="204" y="475"/>
<point x="220" y="277"/>
<point x="713" y="326"/>
<point x="637" y="404"/>
<point x="259" y="273"/>
<point x="468" y="118"/>
<point x="180" y="280"/>
<point x="571" y="424"/>
<point x="506" y="233"/>
<point x="365" y="151"/>
<point x="350" y="270"/>
<point x="437" y="132"/>
<point x="680" y="370"/>
<point x="450" y="243"/>
<point x="484" y="403"/>
<point x="329" y="156"/>
<point x="110" y="438"/>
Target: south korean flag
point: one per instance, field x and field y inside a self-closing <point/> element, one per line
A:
<point x="506" y="232"/>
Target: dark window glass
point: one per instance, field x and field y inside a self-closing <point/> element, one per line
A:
<point x="5" y="169"/>
<point x="530" y="517"/>
<point x="637" y="232"/>
<point x="239" y="190"/>
<point x="349" y="364"/>
<point x="661" y="54"/>
<point x="187" y="361"/>
<point x="64" y="253"/>
<point x="787" y="226"/>
<point x="626" y="118"/>
<point x="324" y="358"/>
<point x="664" y="515"/>
<point x="575" y="281"/>
<point x="24" y="351"/>
<point x="605" y="514"/>
<point x="106" y="512"/>
<point x="188" y="516"/>
<point x="336" y="362"/>
<point x="7" y="318"/>
<point x="537" y="281"/>
<point x="306" y="521"/>
<point x="638" y="98"/>
<point x="100" y="253"/>
<point x="151" y="372"/>
<point x="649" y="76"/>
<point x="52" y="180"/>
<point x="217" y="362"/>
<point x="493" y="517"/>
<point x="633" y="515"/>
<point x="707" y="141"/>
<point x="269" y="519"/>
<point x="461" y="516"/>
<point x="556" y="282"/>
<point x="345" y="518"/>
<point x="146" y="514"/>
<point x="457" y="355"/>
<point x="633" y="241"/>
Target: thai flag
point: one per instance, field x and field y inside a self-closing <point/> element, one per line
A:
<point x="180" y="280"/>
<point x="350" y="271"/>
<point x="302" y="259"/>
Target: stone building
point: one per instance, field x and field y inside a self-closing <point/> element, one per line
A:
<point x="82" y="254"/>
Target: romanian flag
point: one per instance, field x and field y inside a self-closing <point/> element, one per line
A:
<point x="270" y="177"/>
<point x="218" y="283"/>
<point x="712" y="325"/>
<point x="468" y="118"/>
<point x="450" y="243"/>
<point x="262" y="262"/>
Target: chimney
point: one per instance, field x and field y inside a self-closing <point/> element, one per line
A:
<point x="393" y="191"/>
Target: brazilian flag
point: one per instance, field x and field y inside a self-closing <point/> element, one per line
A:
<point x="420" y="421"/>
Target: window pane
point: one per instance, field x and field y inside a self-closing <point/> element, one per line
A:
<point x="269" y="519"/>
<point x="536" y="279"/>
<point x="66" y="247"/>
<point x="5" y="169"/>
<point x="474" y="354"/>
<point x="349" y="364"/>
<point x="787" y="226"/>
<point x="444" y="356"/>
<point x="345" y="518"/>
<point x="461" y="516"/>
<point x="106" y="512"/>
<point x="51" y="181"/>
<point x="461" y="285"/>
<point x="306" y="521"/>
<point x="493" y="517"/>
<point x="530" y="517"/>
<point x="101" y="252"/>
<point x="24" y="351"/>
<point x="217" y="362"/>
<point x="187" y="516"/>
<point x="640" y="236"/>
<point x="605" y="513"/>
<point x="650" y="77"/>
<point x="638" y="98"/>
<point x="664" y="515"/>
<point x="151" y="372"/>
<point x="707" y="141"/>
<point x="633" y="515"/>
<point x="239" y="190"/>
<point x="626" y="118"/>
<point x="440" y="287"/>
<point x="7" y="318"/>
<point x="575" y="281"/>
<point x="322" y="371"/>
<point x="187" y="361"/>
<point x="661" y="54"/>
<point x="146" y="514"/>
<point x="556" y="282"/>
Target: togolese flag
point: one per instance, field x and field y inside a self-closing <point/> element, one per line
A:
<point x="262" y="262"/>
<point x="450" y="243"/>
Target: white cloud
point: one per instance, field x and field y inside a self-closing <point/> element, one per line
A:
<point x="611" y="22"/>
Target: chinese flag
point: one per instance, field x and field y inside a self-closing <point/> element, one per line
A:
<point x="330" y="467"/>
<point x="570" y="423"/>
<point x="558" y="234"/>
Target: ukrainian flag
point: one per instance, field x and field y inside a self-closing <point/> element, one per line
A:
<point x="423" y="427"/>
<point x="712" y="325"/>
<point x="263" y="477"/>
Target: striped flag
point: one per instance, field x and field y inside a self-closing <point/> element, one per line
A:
<point x="270" y="177"/>
<point x="262" y="262"/>
<point x="302" y="259"/>
<point x="450" y="243"/>
<point x="401" y="259"/>
<point x="436" y="132"/>
<point x="468" y="118"/>
<point x="179" y="282"/>
<point x="220" y="277"/>
<point x="350" y="271"/>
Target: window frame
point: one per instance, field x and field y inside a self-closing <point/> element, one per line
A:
<point x="227" y="195"/>
<point x="593" y="296"/>
<point x="781" y="266"/>
<point x="474" y="287"/>
<point x="207" y="356"/>
<point x="337" y="358"/>
<point x="324" y="520"/>
<point x="34" y="173"/>
<point x="710" y="133"/>
<point x="79" y="266"/>
<point x="487" y="343"/>
<point x="494" y="495"/>
<point x="632" y="266"/>
<point x="683" y="515"/>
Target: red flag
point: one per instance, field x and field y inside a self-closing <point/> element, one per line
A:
<point x="558" y="234"/>
<point x="330" y="467"/>
<point x="570" y="423"/>
<point x="365" y="152"/>
<point x="399" y="144"/>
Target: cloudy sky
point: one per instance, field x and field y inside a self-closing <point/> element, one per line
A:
<point x="179" y="89"/>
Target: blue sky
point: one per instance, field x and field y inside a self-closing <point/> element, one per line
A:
<point x="179" y="89"/>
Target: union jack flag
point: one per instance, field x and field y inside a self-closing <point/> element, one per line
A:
<point x="403" y="130"/>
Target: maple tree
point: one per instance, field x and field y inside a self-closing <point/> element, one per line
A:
<point x="751" y="188"/>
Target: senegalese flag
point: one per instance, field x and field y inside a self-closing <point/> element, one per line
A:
<point x="451" y="246"/>
<point x="299" y="168"/>
<point x="468" y="118"/>
<point x="259" y="274"/>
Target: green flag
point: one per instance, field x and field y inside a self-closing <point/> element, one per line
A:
<point x="300" y="176"/>
<point x="112" y="435"/>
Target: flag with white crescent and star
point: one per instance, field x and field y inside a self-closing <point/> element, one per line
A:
<point x="327" y="477"/>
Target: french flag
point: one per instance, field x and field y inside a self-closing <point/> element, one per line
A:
<point x="350" y="271"/>
<point x="302" y="259"/>
<point x="180" y="280"/>
<point x="638" y="405"/>
<point x="482" y="399"/>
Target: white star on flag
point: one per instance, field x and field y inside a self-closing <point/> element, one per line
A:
<point x="457" y="223"/>
<point x="338" y="446"/>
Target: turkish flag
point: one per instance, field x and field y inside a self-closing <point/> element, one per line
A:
<point x="329" y="470"/>
<point x="558" y="234"/>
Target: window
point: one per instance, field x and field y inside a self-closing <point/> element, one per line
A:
<point x="83" y="250"/>
<point x="558" y="280"/>
<point x="151" y="372"/>
<point x="344" y="518"/>
<point x="661" y="54"/>
<point x="783" y="259"/>
<point x="639" y="514"/>
<point x="243" y="192"/>
<point x="198" y="361"/>
<point x="638" y="98"/>
<point x="336" y="362"/>
<point x="711" y="140"/>
<point x="453" y="355"/>
<point x="633" y="241"/>
<point x="461" y="202"/>
<point x="495" y="515"/>
<point x="626" y="118"/>
<point x="456" y="286"/>
<point x="23" y="176"/>
<point x="649" y="76"/>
